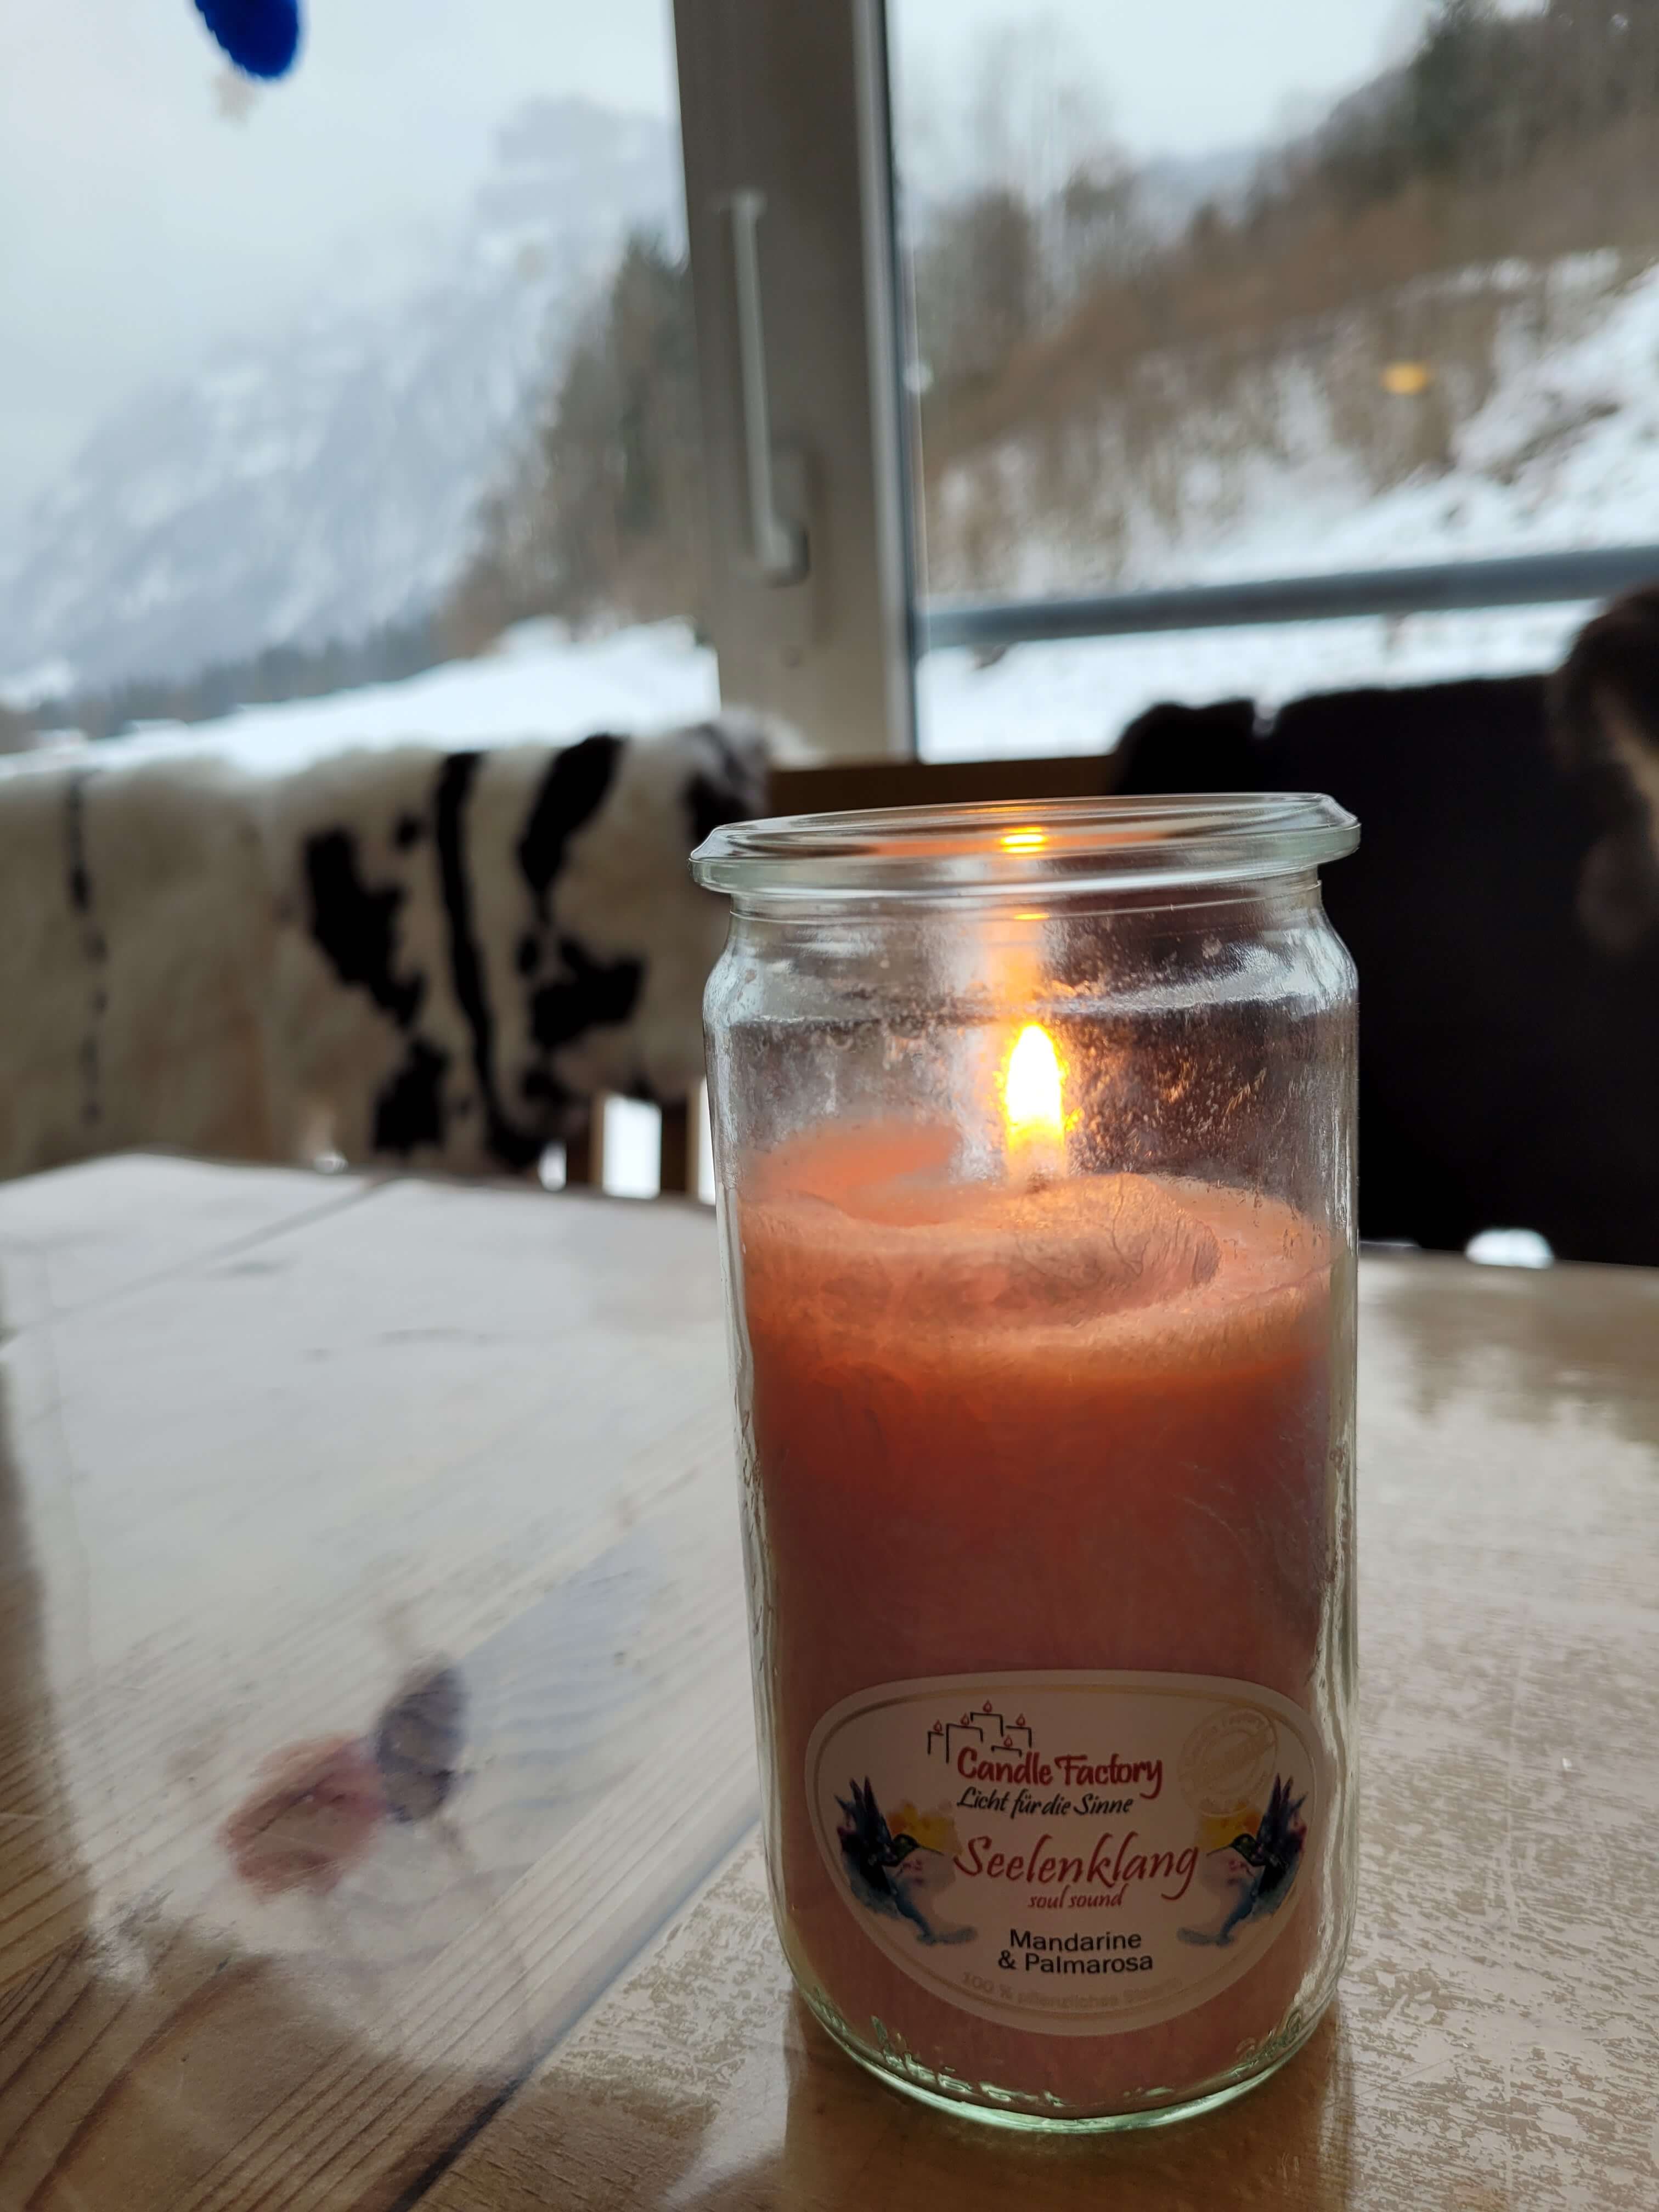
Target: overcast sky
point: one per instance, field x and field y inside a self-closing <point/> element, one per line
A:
<point x="138" y="219"/>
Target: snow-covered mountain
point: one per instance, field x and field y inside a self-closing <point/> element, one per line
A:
<point x="322" y="480"/>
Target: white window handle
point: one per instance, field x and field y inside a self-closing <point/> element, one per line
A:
<point x="778" y="548"/>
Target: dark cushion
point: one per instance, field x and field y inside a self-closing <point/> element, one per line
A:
<point x="1509" y="1064"/>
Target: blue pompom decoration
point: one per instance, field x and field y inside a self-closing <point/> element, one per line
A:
<point x="261" y="36"/>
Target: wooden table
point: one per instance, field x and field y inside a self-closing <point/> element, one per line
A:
<point x="275" y="1448"/>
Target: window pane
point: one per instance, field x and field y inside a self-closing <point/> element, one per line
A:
<point x="332" y="381"/>
<point x="1077" y="696"/>
<point x="1203" y="293"/>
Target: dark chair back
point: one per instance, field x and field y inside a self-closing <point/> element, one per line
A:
<point x="1508" y="1063"/>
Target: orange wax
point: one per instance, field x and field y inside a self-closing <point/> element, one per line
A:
<point x="1083" y="1425"/>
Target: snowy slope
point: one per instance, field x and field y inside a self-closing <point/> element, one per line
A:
<point x="1564" y="451"/>
<point x="322" y="481"/>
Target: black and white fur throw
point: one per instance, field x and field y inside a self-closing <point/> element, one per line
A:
<point x="413" y="956"/>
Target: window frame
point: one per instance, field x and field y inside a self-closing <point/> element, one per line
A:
<point x="788" y="104"/>
<point x="794" y="102"/>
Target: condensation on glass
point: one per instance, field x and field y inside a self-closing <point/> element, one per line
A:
<point x="1034" y="1133"/>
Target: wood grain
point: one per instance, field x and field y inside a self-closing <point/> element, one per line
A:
<point x="81" y="1234"/>
<point x="1496" y="2042"/>
<point x="272" y="1448"/>
<point x="250" y="1490"/>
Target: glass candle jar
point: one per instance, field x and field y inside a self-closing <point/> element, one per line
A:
<point x="1034" y="1138"/>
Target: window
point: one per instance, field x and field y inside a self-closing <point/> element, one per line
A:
<point x="1046" y="360"/>
<point x="363" y="402"/>
<point x="1242" y="351"/>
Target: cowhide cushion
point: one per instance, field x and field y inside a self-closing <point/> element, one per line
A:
<point x="412" y="954"/>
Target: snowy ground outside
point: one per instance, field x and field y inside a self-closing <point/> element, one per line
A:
<point x="538" y="683"/>
<point x="1073" y="697"/>
<point x="1076" y="698"/>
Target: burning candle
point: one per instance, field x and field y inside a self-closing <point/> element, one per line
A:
<point x="1047" y="1438"/>
<point x="1032" y="1107"/>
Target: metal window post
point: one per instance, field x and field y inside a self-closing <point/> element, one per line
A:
<point x="784" y="119"/>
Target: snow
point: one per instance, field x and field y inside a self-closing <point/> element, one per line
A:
<point x="1564" y="451"/>
<point x="1076" y="698"/>
<point x="1563" y="455"/>
<point x="1561" y="452"/>
<point x="539" y="682"/>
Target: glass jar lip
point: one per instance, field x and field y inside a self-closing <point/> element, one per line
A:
<point x="1010" y="848"/>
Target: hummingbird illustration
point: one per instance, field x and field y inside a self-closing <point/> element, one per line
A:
<point x="1273" y="1853"/>
<point x="873" y="1854"/>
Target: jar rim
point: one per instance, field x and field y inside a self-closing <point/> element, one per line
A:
<point x="1010" y="848"/>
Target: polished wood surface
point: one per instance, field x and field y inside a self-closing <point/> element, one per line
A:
<point x="278" y="1445"/>
<point x="376" y="1819"/>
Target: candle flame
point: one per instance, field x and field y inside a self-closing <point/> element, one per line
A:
<point x="1031" y="1096"/>
<point x="1023" y="840"/>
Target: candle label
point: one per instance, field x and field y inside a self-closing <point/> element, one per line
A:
<point x="1072" y="1853"/>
